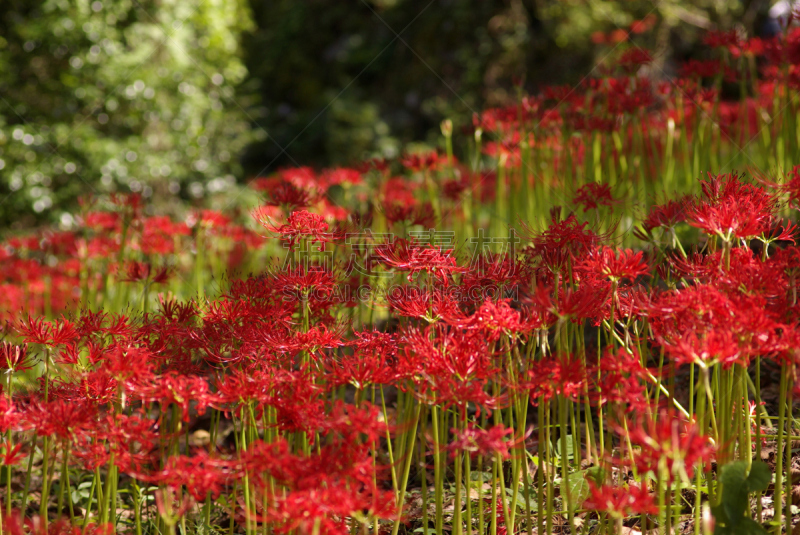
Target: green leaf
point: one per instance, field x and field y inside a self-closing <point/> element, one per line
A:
<point x="578" y="487"/>
<point x="570" y="450"/>
<point x="731" y="514"/>
<point x="760" y="476"/>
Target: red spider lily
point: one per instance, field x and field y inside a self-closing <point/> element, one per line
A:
<point x="476" y="441"/>
<point x="284" y="194"/>
<point x="340" y="175"/>
<point x="721" y="39"/>
<point x="411" y="213"/>
<point x="317" y="337"/>
<point x="448" y="367"/>
<point x="704" y="326"/>
<point x="323" y="488"/>
<point x="634" y="58"/>
<point x="423" y="162"/>
<point x="11" y="454"/>
<point x="103" y="221"/>
<point x="182" y="390"/>
<point x="300" y="224"/>
<point x="620" y="502"/>
<point x="131" y="440"/>
<point x="618" y="379"/>
<point x="373" y="361"/>
<point x="700" y="69"/>
<point x="354" y="425"/>
<point x="59" y="418"/>
<point x="203" y="476"/>
<point x="14" y="358"/>
<point x="667" y="441"/>
<point x="9" y="416"/>
<point x="562" y="241"/>
<point x="15" y="524"/>
<point x="103" y="323"/>
<point x="448" y="352"/>
<point x="607" y="263"/>
<point x="158" y="235"/>
<point x="415" y="302"/>
<point x="572" y="304"/>
<point x="39" y="331"/>
<point x="666" y="215"/>
<point x="97" y="387"/>
<point x="414" y="257"/>
<point x="591" y="196"/>
<point x="143" y="271"/>
<point x="497" y="319"/>
<point x="556" y="375"/>
<point x="731" y="209"/>
<point x="307" y="280"/>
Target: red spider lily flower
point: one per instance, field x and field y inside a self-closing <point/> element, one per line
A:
<point x="203" y="476"/>
<point x="666" y="215"/>
<point x="670" y="442"/>
<point x="294" y="284"/>
<point x="411" y="213"/>
<point x="317" y="337"/>
<point x="634" y="58"/>
<point x="132" y="440"/>
<point x="373" y="361"/>
<point x="94" y="323"/>
<point x="432" y="306"/>
<point x="423" y="162"/>
<point x="301" y="224"/>
<point x="182" y="390"/>
<point x="562" y="241"/>
<point x="448" y="367"/>
<point x="323" y="489"/>
<point x="620" y="502"/>
<point x="496" y="319"/>
<point x="731" y="209"/>
<point x="700" y="69"/>
<point x="340" y="175"/>
<point x="618" y="379"/>
<point x="415" y="257"/>
<point x="39" y="331"/>
<point x="9" y="416"/>
<point x="103" y="221"/>
<point x="59" y="418"/>
<point x="143" y="271"/>
<point x="284" y="194"/>
<point x="15" y="524"/>
<point x="703" y="325"/>
<point x="208" y="219"/>
<point x="158" y="235"/>
<point x="556" y="375"/>
<point x="606" y="263"/>
<point x="476" y="441"/>
<point x="11" y="454"/>
<point x="95" y="387"/>
<point x="592" y="196"/>
<point x="379" y="164"/>
<point x="584" y="302"/>
<point x="354" y="425"/>
<point x="722" y="39"/>
<point x="14" y="358"/>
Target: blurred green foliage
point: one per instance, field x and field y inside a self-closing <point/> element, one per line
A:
<point x="106" y="95"/>
<point x="182" y="99"/>
<point x="343" y="80"/>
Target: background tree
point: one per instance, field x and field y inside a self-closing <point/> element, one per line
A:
<point x="131" y="95"/>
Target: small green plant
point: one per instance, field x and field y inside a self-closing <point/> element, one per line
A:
<point x="732" y="514"/>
